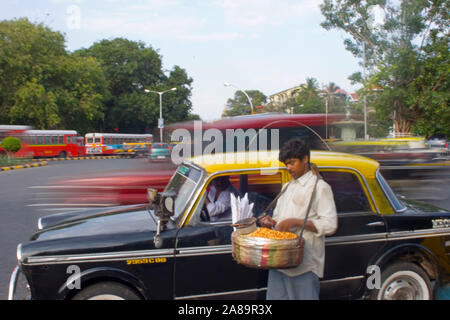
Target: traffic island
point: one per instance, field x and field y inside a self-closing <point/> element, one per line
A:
<point x="85" y="158"/>
<point x="23" y="166"/>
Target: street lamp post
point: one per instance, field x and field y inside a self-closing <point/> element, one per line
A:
<point x="160" y="120"/>
<point x="227" y="84"/>
<point x="365" y="92"/>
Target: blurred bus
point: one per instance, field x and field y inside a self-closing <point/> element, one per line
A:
<point x="113" y="143"/>
<point x="44" y="143"/>
<point x="49" y="143"/>
<point x="12" y="130"/>
<point x="311" y="127"/>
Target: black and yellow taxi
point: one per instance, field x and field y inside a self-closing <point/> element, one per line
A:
<point x="384" y="247"/>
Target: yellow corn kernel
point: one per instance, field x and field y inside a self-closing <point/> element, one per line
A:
<point x="272" y="234"/>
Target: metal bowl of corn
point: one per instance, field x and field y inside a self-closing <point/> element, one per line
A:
<point x="267" y="249"/>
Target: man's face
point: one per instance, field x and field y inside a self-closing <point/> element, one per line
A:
<point x="297" y="167"/>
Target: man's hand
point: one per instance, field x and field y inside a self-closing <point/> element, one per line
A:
<point x="267" y="222"/>
<point x="288" y="224"/>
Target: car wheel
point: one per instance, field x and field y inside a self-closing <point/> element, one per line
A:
<point x="62" y="154"/>
<point x="107" y="291"/>
<point x="403" y="281"/>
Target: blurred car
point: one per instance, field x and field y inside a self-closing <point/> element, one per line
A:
<point x="437" y="140"/>
<point x="392" y="151"/>
<point x="168" y="251"/>
<point x="135" y="149"/>
<point x="102" y="191"/>
<point x="160" y="151"/>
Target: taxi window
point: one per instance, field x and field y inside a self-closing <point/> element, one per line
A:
<point x="348" y="193"/>
<point x="262" y="189"/>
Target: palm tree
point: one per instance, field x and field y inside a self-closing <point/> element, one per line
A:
<point x="310" y="88"/>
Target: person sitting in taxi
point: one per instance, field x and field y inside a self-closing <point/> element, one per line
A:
<point x="218" y="201"/>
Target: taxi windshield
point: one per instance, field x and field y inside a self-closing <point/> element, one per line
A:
<point x="183" y="182"/>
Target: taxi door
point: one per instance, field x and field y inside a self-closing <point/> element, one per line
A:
<point x="360" y="236"/>
<point x="204" y="266"/>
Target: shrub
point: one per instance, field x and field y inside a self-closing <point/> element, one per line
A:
<point x="11" y="145"/>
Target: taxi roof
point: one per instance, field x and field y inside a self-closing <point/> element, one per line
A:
<point x="269" y="159"/>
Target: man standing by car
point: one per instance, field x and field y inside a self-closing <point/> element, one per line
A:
<point x="302" y="282"/>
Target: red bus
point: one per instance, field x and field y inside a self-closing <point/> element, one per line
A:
<point x="49" y="143"/>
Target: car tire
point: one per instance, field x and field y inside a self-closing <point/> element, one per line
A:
<point x="62" y="154"/>
<point x="403" y="281"/>
<point x="107" y="291"/>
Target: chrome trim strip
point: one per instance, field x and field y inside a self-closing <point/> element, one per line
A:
<point x="392" y="236"/>
<point x="19" y="252"/>
<point x="342" y="279"/>
<point x="204" y="251"/>
<point x="360" y="238"/>
<point x="218" y="294"/>
<point x="99" y="257"/>
<point x="13" y="283"/>
<point x="422" y="233"/>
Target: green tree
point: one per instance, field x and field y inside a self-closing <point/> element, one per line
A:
<point x="130" y="67"/>
<point x="41" y="84"/>
<point x="240" y="105"/>
<point x="337" y="101"/>
<point x="308" y="99"/>
<point x="11" y="145"/>
<point x="27" y="52"/>
<point x="406" y="56"/>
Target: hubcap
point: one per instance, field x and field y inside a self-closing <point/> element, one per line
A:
<point x="106" y="297"/>
<point x="403" y="289"/>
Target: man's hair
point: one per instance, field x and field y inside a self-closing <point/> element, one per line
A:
<point x="294" y="148"/>
<point x="222" y="182"/>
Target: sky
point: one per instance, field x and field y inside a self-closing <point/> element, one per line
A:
<point x="265" y="45"/>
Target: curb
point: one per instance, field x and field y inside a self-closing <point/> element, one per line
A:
<point x="82" y="158"/>
<point x="24" y="166"/>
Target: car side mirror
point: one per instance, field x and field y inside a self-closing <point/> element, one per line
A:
<point x="164" y="206"/>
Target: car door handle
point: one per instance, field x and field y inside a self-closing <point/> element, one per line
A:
<point x="376" y="224"/>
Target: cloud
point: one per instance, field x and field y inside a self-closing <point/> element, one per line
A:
<point x="150" y="24"/>
<point x="211" y="36"/>
<point x="255" y="13"/>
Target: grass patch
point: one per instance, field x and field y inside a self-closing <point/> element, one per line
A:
<point x="5" y="162"/>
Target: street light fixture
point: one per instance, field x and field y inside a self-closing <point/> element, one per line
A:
<point x="160" y="120"/>
<point x="227" y="84"/>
